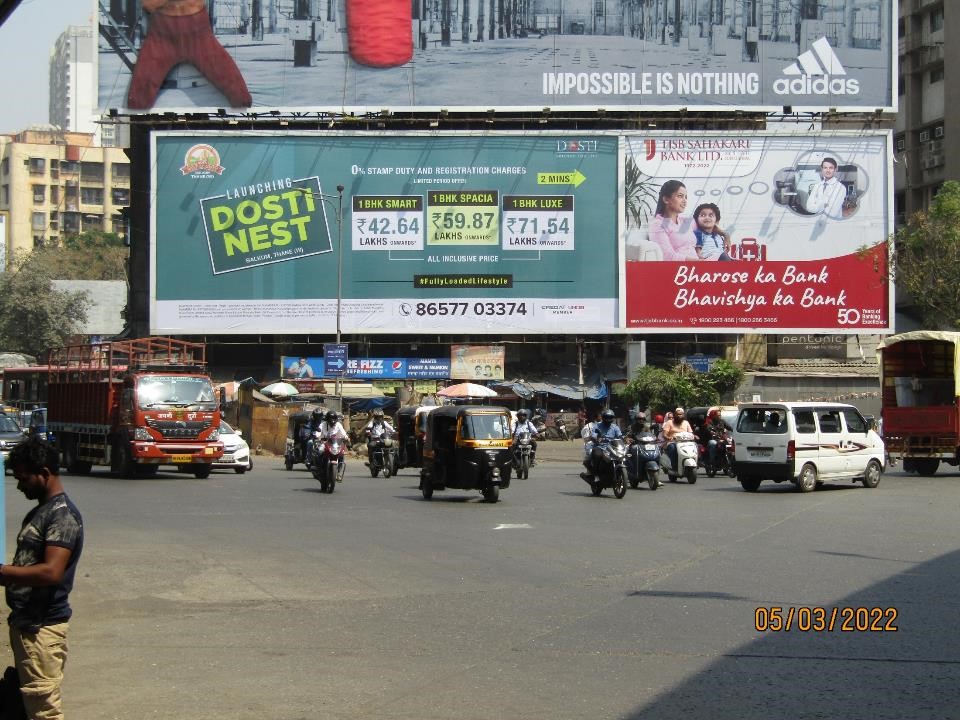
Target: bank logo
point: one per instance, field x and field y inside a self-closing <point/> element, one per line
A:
<point x="202" y="161"/>
<point x="650" y="146"/>
<point x="818" y="71"/>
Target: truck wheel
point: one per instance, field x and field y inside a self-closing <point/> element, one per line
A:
<point x="808" y="478"/>
<point x="201" y="471"/>
<point x="926" y="466"/>
<point x="871" y="477"/>
<point x="122" y="463"/>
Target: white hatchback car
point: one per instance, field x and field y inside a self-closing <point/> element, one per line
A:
<point x="236" y="452"/>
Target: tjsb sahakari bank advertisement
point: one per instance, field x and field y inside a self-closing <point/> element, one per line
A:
<point x="756" y="232"/>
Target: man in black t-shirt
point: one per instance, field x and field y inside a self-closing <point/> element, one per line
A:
<point x="39" y="581"/>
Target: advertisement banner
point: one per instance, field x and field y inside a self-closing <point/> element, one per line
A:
<point x="765" y="233"/>
<point x="301" y="367"/>
<point x="439" y="232"/>
<point x="477" y="362"/>
<point x="331" y="56"/>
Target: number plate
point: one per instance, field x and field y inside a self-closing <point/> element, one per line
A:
<point x="226" y="458"/>
<point x="760" y="452"/>
<point x="181" y="459"/>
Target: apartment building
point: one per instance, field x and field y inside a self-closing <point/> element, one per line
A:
<point x="55" y="183"/>
<point x="927" y="133"/>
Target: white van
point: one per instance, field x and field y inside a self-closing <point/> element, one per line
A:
<point x="805" y="443"/>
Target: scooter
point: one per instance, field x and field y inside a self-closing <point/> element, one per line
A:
<point x="329" y="464"/>
<point x="643" y="462"/>
<point x="688" y="458"/>
<point x="384" y="457"/>
<point x="522" y="455"/>
<point x="610" y="471"/>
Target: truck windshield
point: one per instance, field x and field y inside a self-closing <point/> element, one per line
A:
<point x="175" y="391"/>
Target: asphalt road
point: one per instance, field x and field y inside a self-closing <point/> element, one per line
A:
<point x="255" y="596"/>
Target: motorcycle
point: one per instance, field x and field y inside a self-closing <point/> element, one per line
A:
<point x="688" y="458"/>
<point x="384" y="457"/>
<point x="329" y="462"/>
<point x="611" y="471"/>
<point x="562" y="429"/>
<point x="724" y="453"/>
<point x="643" y="462"/>
<point x="522" y="457"/>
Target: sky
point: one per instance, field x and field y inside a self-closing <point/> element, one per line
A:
<point x="26" y="39"/>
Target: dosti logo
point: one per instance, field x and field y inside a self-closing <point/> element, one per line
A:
<point x="818" y="71"/>
<point x="202" y="161"/>
<point x="577" y="146"/>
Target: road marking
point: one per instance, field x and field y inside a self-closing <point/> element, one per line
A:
<point x="512" y="526"/>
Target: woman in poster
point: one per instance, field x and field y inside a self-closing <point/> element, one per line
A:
<point x="670" y="230"/>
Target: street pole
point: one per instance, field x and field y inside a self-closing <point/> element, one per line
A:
<point x="339" y="283"/>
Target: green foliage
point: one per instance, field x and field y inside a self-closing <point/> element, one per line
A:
<point x="87" y="256"/>
<point x="640" y="195"/>
<point x="33" y="315"/>
<point x="681" y="386"/>
<point x="925" y="259"/>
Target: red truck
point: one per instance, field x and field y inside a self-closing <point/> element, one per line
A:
<point x="134" y="405"/>
<point x="920" y="398"/>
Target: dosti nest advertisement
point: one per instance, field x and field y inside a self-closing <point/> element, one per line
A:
<point x="432" y="232"/>
<point x="757" y="232"/>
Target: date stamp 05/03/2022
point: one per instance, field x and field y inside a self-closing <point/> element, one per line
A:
<point x="813" y="618"/>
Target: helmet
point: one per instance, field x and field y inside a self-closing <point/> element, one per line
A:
<point x="331" y="416"/>
<point x="608" y="415"/>
<point x="521" y="413"/>
<point x="378" y="414"/>
<point x="658" y="418"/>
<point x="316" y="417"/>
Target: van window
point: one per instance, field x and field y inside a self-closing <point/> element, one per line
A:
<point x="830" y="421"/>
<point x="768" y="421"/>
<point x="854" y="420"/>
<point x="805" y="421"/>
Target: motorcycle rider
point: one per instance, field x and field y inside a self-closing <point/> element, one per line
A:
<point x="671" y="428"/>
<point x="710" y="435"/>
<point x="377" y="430"/>
<point x="526" y="426"/>
<point x="331" y="429"/>
<point x="605" y="431"/>
<point x="307" y="435"/>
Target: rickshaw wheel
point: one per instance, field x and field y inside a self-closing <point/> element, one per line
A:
<point x="426" y="489"/>
<point x="491" y="494"/>
<point x="288" y="463"/>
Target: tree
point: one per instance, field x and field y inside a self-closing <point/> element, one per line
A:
<point x="681" y="386"/>
<point x="925" y="259"/>
<point x="87" y="256"/>
<point x="33" y="315"/>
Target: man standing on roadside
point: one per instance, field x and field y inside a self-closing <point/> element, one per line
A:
<point x="39" y="581"/>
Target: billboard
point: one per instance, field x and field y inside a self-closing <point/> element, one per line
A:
<point x="767" y="233"/>
<point x="440" y="233"/>
<point x="503" y="233"/>
<point x="431" y="55"/>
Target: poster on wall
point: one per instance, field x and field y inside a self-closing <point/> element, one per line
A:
<point x="355" y="56"/>
<point x="766" y="233"/>
<point x="477" y="362"/>
<point x="432" y="232"/>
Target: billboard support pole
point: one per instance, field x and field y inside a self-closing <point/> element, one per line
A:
<point x="339" y="280"/>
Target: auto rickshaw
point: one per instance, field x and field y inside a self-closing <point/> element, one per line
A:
<point x="296" y="445"/>
<point x="467" y="447"/>
<point x="408" y="453"/>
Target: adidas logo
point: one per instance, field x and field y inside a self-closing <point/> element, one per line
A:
<point x="818" y="71"/>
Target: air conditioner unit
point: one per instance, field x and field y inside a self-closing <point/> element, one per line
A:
<point x="924" y="136"/>
<point x="925" y="162"/>
<point x="938" y="131"/>
<point x="936" y="160"/>
<point x="901" y="143"/>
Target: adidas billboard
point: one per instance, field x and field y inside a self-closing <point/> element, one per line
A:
<point x="818" y="71"/>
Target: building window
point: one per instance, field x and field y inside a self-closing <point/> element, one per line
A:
<point x="54" y="193"/>
<point x="69" y="166"/>
<point x="5" y="166"/>
<point x="38" y="241"/>
<point x="91" y="196"/>
<point x="901" y="144"/>
<point x="37" y="165"/>
<point x="936" y="75"/>
<point x="936" y="20"/>
<point x="38" y="221"/>
<point x="54" y="169"/>
<point x="120" y="196"/>
<point x="120" y="171"/>
<point x="39" y="194"/>
<point x="91" y="171"/>
<point x="119" y="225"/>
<point x="92" y="223"/>
<point x="901" y="86"/>
<point x="71" y="222"/>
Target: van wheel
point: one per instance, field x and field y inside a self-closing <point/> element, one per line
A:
<point x="807" y="481"/>
<point x="871" y="477"/>
<point x="750" y="484"/>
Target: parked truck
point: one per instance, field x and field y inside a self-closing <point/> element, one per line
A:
<point x="134" y="405"/>
<point x="920" y="398"/>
